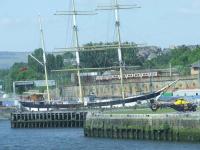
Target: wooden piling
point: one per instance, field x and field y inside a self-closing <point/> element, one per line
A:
<point x="50" y="119"/>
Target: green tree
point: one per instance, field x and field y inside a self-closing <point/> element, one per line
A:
<point x="109" y="57"/>
<point x="21" y="72"/>
<point x="52" y="62"/>
<point x="59" y="62"/>
<point x="38" y="53"/>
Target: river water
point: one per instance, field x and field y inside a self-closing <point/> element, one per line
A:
<point x="73" y="139"/>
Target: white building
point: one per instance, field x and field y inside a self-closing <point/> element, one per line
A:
<point x="187" y="92"/>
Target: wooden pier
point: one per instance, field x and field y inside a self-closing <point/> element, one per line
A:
<point x="50" y="119"/>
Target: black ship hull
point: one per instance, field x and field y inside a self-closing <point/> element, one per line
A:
<point x="99" y="104"/>
<point x="92" y="104"/>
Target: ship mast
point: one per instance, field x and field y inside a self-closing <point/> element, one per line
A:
<point x="76" y="45"/>
<point x="44" y="63"/>
<point x="44" y="58"/>
<point x="116" y="7"/>
<point x="117" y="24"/>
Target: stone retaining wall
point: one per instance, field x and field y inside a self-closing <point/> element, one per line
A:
<point x="162" y="127"/>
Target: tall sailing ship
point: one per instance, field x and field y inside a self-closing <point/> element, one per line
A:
<point x="48" y="104"/>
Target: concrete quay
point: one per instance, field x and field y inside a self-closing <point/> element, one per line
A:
<point x="49" y="119"/>
<point x="184" y="127"/>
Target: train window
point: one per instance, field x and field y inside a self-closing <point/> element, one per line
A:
<point x="197" y="94"/>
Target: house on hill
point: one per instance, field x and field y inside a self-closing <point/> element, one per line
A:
<point x="195" y="68"/>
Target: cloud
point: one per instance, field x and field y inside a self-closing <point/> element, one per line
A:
<point x="195" y="4"/>
<point x="15" y="21"/>
<point x="9" y="21"/>
<point x="191" y="9"/>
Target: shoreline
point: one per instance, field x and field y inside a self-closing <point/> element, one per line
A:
<point x="5" y="112"/>
<point x="4" y="119"/>
<point x="5" y="116"/>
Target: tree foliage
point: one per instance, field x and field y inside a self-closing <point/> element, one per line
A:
<point x="109" y="57"/>
<point x="180" y="57"/>
<point x="21" y="72"/>
<point x="53" y="62"/>
<point x="31" y="70"/>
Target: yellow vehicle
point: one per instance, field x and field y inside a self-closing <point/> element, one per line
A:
<point x="179" y="104"/>
<point x="181" y="101"/>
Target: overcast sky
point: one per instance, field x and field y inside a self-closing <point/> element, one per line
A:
<point x="158" y="22"/>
